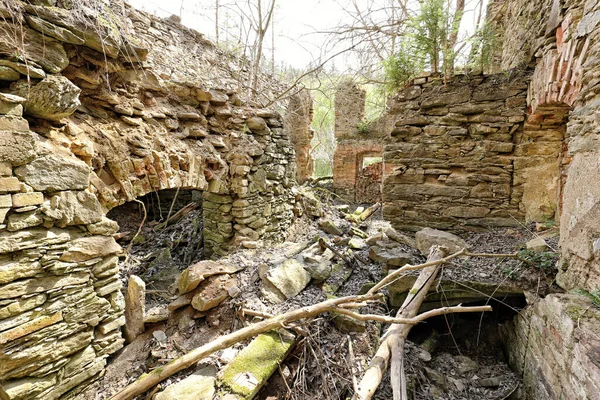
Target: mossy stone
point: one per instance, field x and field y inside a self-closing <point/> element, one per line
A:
<point x="254" y="365"/>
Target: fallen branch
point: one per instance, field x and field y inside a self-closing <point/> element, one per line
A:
<point x="148" y="381"/>
<point x="411" y="321"/>
<point x="177" y="216"/>
<point x="392" y="342"/>
<point x="325" y="245"/>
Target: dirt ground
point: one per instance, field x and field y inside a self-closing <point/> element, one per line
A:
<point x="465" y="362"/>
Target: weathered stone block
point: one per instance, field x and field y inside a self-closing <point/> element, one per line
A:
<point x="430" y="237"/>
<point x="55" y="172"/>
<point x="87" y="248"/>
<point x="10" y="184"/>
<point x="254" y="365"/>
<point x="135" y="307"/>
<point x="27" y="199"/>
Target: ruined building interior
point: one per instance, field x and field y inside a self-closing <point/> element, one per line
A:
<point x="151" y="208"/>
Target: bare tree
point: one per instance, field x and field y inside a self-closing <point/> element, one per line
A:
<point x="261" y="19"/>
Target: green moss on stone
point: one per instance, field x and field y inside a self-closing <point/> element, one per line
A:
<point x="254" y="365"/>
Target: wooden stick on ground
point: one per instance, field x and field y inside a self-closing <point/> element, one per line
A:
<point x="148" y="381"/>
<point x="392" y="344"/>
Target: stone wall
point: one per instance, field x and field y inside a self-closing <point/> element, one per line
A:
<point x="90" y="119"/>
<point x="355" y="138"/>
<point x="465" y="155"/>
<point x="555" y="345"/>
<point x="560" y="39"/>
<point x="297" y="122"/>
<point x="555" y="342"/>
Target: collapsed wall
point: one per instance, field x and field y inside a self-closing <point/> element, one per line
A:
<point x="97" y="111"/>
<point x="356" y="139"/>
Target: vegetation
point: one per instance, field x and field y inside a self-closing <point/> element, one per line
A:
<point x="594" y="295"/>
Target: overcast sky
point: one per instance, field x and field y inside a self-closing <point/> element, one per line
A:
<point x="296" y="22"/>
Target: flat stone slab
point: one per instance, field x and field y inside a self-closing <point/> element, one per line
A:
<point x="254" y="365"/>
<point x="393" y="257"/>
<point x="194" y="274"/>
<point x="428" y="237"/>
<point x="453" y="293"/>
<point x="290" y="278"/>
<point x="198" y="386"/>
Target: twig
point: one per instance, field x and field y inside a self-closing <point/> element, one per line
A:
<point x="151" y="379"/>
<point x="128" y="249"/>
<point x="414" y="320"/>
<point x="352" y="364"/>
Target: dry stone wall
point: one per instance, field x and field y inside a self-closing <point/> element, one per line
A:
<point x="555" y="342"/>
<point x="92" y="118"/>
<point x="554" y="345"/>
<point x="356" y="139"/>
<point x="464" y="155"/>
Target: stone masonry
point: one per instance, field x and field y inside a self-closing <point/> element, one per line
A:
<point x="94" y="119"/>
<point x="464" y="155"/>
<point x="353" y="144"/>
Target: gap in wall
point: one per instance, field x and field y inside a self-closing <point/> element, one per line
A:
<point x="170" y="238"/>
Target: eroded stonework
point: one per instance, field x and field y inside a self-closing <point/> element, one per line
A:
<point x="465" y="154"/>
<point x="95" y="119"/>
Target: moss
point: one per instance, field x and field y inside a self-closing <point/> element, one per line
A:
<point x="253" y="366"/>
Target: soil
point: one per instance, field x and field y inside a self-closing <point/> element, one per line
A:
<point x="468" y="353"/>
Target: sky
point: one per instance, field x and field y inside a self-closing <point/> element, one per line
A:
<point x="297" y="23"/>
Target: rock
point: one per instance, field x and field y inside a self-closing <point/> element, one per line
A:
<point x="218" y="98"/>
<point x="23" y="69"/>
<point x="537" y="244"/>
<point x="198" y="386"/>
<point x="25" y="220"/>
<point x="53" y="98"/>
<point x="318" y="267"/>
<point x="428" y="237"/>
<point x="393" y="257"/>
<point x="38" y="285"/>
<point x="79" y="208"/>
<point x="195" y="274"/>
<point x="372" y="240"/>
<point x="62" y="34"/>
<point x="357" y="244"/>
<point x="8" y="185"/>
<point x="255" y="364"/>
<point x="16" y="148"/>
<point x="290" y="278"/>
<point x="55" y="172"/>
<point x="8" y="74"/>
<point x="160" y="336"/>
<point x="86" y="248"/>
<point x="256" y="124"/>
<point x="42" y="50"/>
<point x="156" y="314"/>
<point x="489" y="382"/>
<point x="213" y="292"/>
<point x="330" y="227"/>
<point x="29" y="327"/>
<point x="135" y="307"/>
<point x="346" y="324"/>
<point x="27" y="199"/>
<point x="400" y="238"/>
<point x="105" y="226"/>
<point x="437" y="378"/>
<point x="465" y="364"/>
